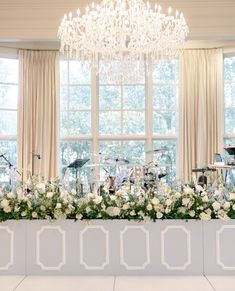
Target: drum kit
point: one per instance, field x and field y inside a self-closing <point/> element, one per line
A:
<point x="114" y="172"/>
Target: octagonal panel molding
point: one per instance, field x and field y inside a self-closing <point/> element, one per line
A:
<point x="188" y="240"/>
<point x="38" y="252"/>
<point x="147" y="251"/>
<point x="106" y="246"/>
<point x="218" y="247"/>
<point x="11" y="249"/>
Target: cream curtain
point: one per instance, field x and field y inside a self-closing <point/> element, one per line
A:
<point x="200" y="113"/>
<point x="37" y="117"/>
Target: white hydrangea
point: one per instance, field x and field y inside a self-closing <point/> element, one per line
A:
<point x="113" y="211"/>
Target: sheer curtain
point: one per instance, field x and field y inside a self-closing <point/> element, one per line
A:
<point x="200" y="109"/>
<point x="37" y="118"/>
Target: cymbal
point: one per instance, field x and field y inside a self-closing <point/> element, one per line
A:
<point x="156" y="150"/>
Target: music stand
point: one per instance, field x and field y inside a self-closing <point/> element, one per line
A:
<point x="77" y="164"/>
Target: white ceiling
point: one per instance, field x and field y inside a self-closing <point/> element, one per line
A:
<point x="36" y="20"/>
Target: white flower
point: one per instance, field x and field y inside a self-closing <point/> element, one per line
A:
<point x="121" y="193"/>
<point x="208" y="211"/>
<point x="191" y="213"/>
<point x="126" y="206"/>
<point x="177" y="195"/>
<point x="217" y="192"/>
<point x="68" y="210"/>
<point x="88" y="209"/>
<point x="7" y="209"/>
<point x="4" y="203"/>
<point x="98" y="199"/>
<point x="159" y="215"/>
<point x="216" y="205"/>
<point x="10" y="195"/>
<point x="233" y="206"/>
<point x="168" y="202"/>
<point x="204" y="216"/>
<point x="113" y="197"/>
<point x="188" y="190"/>
<point x="149" y="207"/>
<point x="182" y="209"/>
<point x="226" y="205"/>
<point x="23" y="213"/>
<point x="185" y="201"/>
<point x="222" y="215"/>
<point x="58" y="205"/>
<point x="205" y="198"/>
<point x="199" y="188"/>
<point x="41" y="187"/>
<point x="78" y="216"/>
<point x="155" y="201"/>
<point x="73" y="192"/>
<point x="132" y="213"/>
<point x="1" y="193"/>
<point x="113" y="211"/>
<point x="50" y="195"/>
<point x="42" y="208"/>
<point x="34" y="214"/>
<point x="232" y="196"/>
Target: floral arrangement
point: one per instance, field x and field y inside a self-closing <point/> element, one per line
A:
<point x="38" y="199"/>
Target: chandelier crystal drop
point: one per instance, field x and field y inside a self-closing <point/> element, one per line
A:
<point x="125" y="31"/>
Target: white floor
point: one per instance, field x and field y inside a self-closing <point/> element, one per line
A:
<point x="89" y="283"/>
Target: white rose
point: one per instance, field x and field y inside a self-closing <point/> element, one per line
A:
<point x="10" y="195"/>
<point x="159" y="215"/>
<point x="205" y="198"/>
<point x="208" y="211"/>
<point x="232" y="196"/>
<point x="98" y="199"/>
<point x="155" y="201"/>
<point x="132" y="213"/>
<point x="68" y="211"/>
<point x="149" y="207"/>
<point x="4" y="203"/>
<point x="199" y="188"/>
<point x="7" y="209"/>
<point x="188" y="190"/>
<point x="168" y="202"/>
<point x="50" y="195"/>
<point x="191" y="213"/>
<point x="222" y="215"/>
<point x="58" y="205"/>
<point x="78" y="216"/>
<point x="34" y="214"/>
<point x="233" y="206"/>
<point x="177" y="195"/>
<point x="216" y="205"/>
<point x="204" y="216"/>
<point x="113" y="211"/>
<point x="126" y="206"/>
<point x="182" y="209"/>
<point x="185" y="201"/>
<point x="226" y="205"/>
<point x="41" y="187"/>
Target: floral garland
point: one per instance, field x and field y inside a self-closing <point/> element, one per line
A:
<point x="38" y="199"/>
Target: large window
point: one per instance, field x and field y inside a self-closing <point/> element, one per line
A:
<point x="108" y="120"/>
<point x="8" y="111"/>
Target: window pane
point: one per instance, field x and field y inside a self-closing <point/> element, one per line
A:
<point x="229" y="95"/>
<point x="8" y="70"/>
<point x="110" y="123"/>
<point x="79" y="123"/>
<point x="9" y="149"/>
<point x="8" y="122"/>
<point x="133" y="122"/>
<point x="164" y="122"/>
<point x="165" y="71"/>
<point x="134" y="97"/>
<point x="229" y="69"/>
<point x="164" y="97"/>
<point x="134" y="151"/>
<point x="229" y="120"/>
<point x="109" y="97"/>
<point x="63" y="98"/>
<point x="80" y="97"/>
<point x="78" y="74"/>
<point x="8" y="96"/>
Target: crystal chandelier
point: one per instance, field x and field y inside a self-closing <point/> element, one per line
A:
<point x="124" y="31"/>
